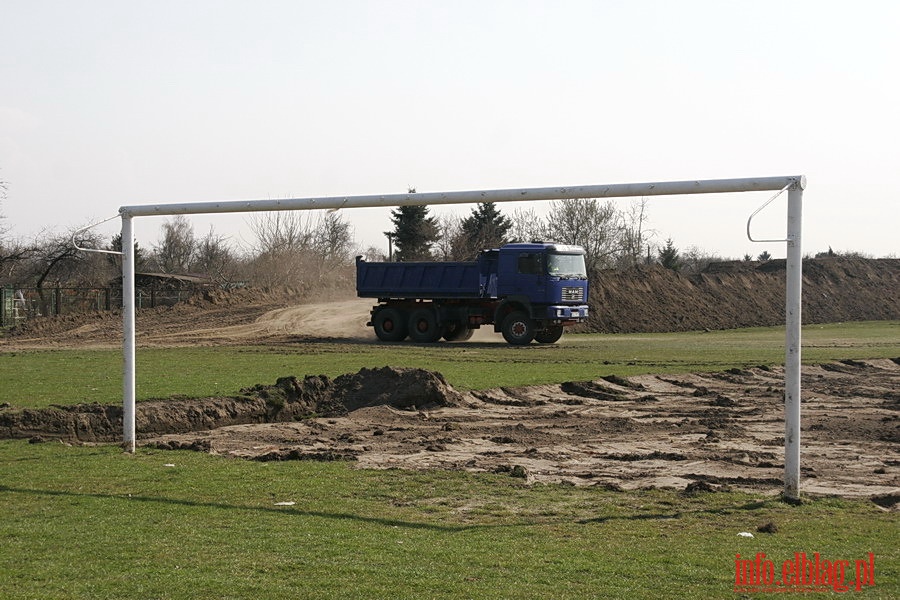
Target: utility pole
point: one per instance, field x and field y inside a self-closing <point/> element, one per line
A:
<point x="390" y="238"/>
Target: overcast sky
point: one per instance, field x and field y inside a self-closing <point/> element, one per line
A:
<point x="111" y="103"/>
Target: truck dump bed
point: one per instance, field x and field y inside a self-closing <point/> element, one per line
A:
<point x="417" y="279"/>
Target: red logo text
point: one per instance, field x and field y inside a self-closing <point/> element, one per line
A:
<point x="802" y="574"/>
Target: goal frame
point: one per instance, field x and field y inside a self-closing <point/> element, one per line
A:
<point x="795" y="185"/>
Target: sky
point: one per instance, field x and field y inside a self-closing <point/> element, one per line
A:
<point x="110" y="103"/>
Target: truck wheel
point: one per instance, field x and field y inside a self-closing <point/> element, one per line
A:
<point x="456" y="331"/>
<point x="390" y="325"/>
<point x="423" y="326"/>
<point x="518" y="328"/>
<point x="549" y="335"/>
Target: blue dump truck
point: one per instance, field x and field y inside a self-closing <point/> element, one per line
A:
<point x="526" y="291"/>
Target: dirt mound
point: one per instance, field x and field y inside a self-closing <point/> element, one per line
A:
<point x="702" y="431"/>
<point x="287" y="400"/>
<point x="742" y="294"/>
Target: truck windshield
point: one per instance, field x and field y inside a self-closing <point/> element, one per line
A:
<point x="566" y="266"/>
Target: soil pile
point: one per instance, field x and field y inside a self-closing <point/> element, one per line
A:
<point x="733" y="295"/>
<point x="288" y="399"/>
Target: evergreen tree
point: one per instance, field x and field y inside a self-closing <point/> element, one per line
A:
<point x="668" y="256"/>
<point x="414" y="233"/>
<point x="116" y="246"/>
<point x="485" y="228"/>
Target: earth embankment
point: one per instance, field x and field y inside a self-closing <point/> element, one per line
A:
<point x="732" y="295"/>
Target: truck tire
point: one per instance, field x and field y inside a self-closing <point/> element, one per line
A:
<point x="549" y="335"/>
<point x="423" y="326"/>
<point x="456" y="331"/>
<point x="390" y="325"/>
<point x="518" y="328"/>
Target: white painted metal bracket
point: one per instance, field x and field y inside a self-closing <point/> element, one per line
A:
<point x="758" y="210"/>
<point x="95" y="250"/>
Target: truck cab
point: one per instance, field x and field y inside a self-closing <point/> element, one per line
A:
<point x="547" y="282"/>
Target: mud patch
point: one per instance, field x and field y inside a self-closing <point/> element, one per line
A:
<point x="696" y="432"/>
<point x="888" y="501"/>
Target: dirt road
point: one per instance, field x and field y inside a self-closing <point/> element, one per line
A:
<point x="209" y="325"/>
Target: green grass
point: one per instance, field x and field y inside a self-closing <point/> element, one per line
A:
<point x="40" y="378"/>
<point x="91" y="522"/>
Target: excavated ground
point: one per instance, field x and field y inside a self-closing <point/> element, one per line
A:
<point x="697" y="431"/>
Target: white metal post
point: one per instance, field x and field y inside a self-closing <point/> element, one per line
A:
<point x="793" y="324"/>
<point x="128" y="384"/>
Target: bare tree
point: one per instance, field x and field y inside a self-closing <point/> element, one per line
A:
<point x="526" y="226"/>
<point x="175" y="251"/>
<point x="296" y="249"/>
<point x="56" y="262"/>
<point x="13" y="256"/>
<point x="13" y="253"/>
<point x="213" y="256"/>
<point x="280" y="232"/>
<point x="587" y="223"/>
<point x="4" y="228"/>
<point x="281" y="238"/>
<point x="696" y="260"/>
<point x="449" y="232"/>
<point x="373" y="254"/>
<point x="634" y="236"/>
<point x="332" y="240"/>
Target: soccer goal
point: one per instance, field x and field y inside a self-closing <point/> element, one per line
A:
<point x="794" y="185"/>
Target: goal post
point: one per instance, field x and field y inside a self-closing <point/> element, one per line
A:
<point x="795" y="185"/>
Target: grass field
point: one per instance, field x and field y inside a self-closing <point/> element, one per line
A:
<point x="92" y="522"/>
<point x="83" y="522"/>
<point x="39" y="378"/>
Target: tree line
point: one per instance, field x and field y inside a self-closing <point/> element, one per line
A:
<point x="611" y="237"/>
<point x="292" y="249"/>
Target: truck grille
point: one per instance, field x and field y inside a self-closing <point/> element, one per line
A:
<point x="573" y="294"/>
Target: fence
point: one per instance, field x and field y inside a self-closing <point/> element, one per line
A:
<point x="20" y="304"/>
